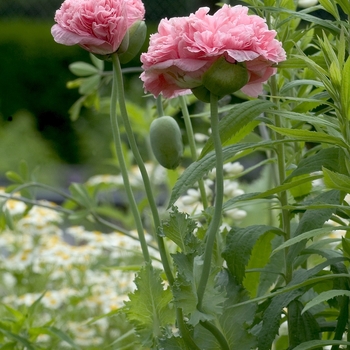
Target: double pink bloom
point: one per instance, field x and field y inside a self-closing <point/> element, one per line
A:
<point x="98" y="26"/>
<point x="185" y="47"/>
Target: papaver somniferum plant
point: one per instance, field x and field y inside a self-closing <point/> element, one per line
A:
<point x="236" y="183"/>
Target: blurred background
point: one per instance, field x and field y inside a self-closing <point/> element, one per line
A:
<point x="34" y="100"/>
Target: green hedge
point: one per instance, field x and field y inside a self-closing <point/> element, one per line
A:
<point x="34" y="75"/>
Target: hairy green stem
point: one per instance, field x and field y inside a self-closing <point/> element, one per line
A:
<point x="219" y="194"/>
<point x="141" y="165"/>
<point x="119" y="150"/>
<point x="192" y="144"/>
<point x="148" y="189"/>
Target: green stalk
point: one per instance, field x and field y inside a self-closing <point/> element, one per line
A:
<point x="219" y="194"/>
<point x="193" y="148"/>
<point x="119" y="150"/>
<point x="148" y="188"/>
<point x="141" y="165"/>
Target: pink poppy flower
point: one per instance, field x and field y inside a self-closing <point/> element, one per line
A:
<point x="98" y="26"/>
<point x="185" y="47"/>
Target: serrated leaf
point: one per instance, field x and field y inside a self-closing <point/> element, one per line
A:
<point x="189" y="268"/>
<point x="150" y="306"/>
<point x="336" y="181"/>
<point x="302" y="327"/>
<point x="233" y="321"/>
<point x="82" y="69"/>
<point x="179" y="228"/>
<point x="272" y="314"/>
<point x="310" y="136"/>
<point x="327" y="157"/>
<point x="259" y="258"/>
<point x="239" y="117"/>
<point x="239" y="245"/>
<point x="324" y="296"/>
<point x="172" y="343"/>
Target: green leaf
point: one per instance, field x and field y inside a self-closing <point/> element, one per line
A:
<point x="302" y="326"/>
<point x="234" y="321"/>
<point x="310" y="136"/>
<point x="272" y="314"/>
<point x="74" y="110"/>
<point x="99" y="64"/>
<point x="81" y="195"/>
<point x="179" y="228"/>
<point x="336" y="181"/>
<point x="82" y="69"/>
<point x="18" y="338"/>
<point x="345" y="89"/>
<point x="150" y="306"/>
<point x="259" y="258"/>
<point x="307" y="118"/>
<point x="240" y="116"/>
<point x="316" y="344"/>
<point x="189" y="268"/>
<point x="345" y="5"/>
<point x="312" y="219"/>
<point x="199" y="168"/>
<point x="330" y="7"/>
<point x="324" y="296"/>
<point x="14" y="177"/>
<point x="239" y="245"/>
<point x="327" y="157"/>
<point x="308" y="235"/>
<point x="53" y="331"/>
<point x="89" y="85"/>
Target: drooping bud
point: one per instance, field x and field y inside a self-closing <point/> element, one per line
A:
<point x="166" y="142"/>
<point x="224" y="78"/>
<point x="136" y="37"/>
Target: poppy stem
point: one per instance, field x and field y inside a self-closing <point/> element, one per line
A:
<point x="219" y="194"/>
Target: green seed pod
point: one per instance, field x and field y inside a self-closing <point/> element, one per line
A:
<point x="224" y="78"/>
<point x="166" y="142"/>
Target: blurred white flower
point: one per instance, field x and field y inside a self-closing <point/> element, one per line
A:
<point x="307" y="3"/>
<point x="233" y="168"/>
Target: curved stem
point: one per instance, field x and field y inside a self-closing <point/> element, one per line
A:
<point x="193" y="147"/>
<point x="141" y="165"/>
<point x="123" y="169"/>
<point x="148" y="189"/>
<point x="217" y="334"/>
<point x="35" y="202"/>
<point x="219" y="194"/>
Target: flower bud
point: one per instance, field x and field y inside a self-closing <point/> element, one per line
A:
<point x="136" y="37"/>
<point x="166" y="142"/>
<point x="224" y="78"/>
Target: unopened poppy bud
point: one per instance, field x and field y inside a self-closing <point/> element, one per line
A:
<point x="224" y="78"/>
<point x="136" y="37"/>
<point x="166" y="142"/>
